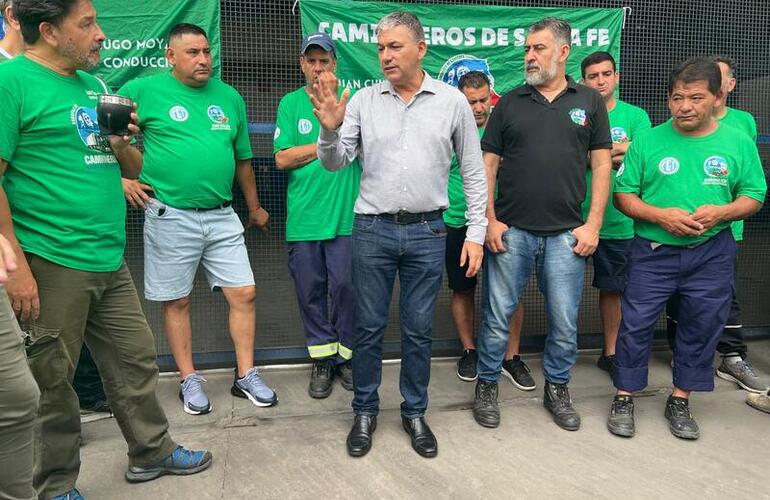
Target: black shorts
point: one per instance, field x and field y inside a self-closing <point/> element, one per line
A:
<point x="609" y="262"/>
<point x="455" y="238"/>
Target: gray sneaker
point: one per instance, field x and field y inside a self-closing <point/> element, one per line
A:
<point x="253" y="388"/>
<point x="736" y="369"/>
<point x="759" y="401"/>
<point x="192" y="395"/>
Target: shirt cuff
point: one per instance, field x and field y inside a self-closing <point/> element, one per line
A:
<point x="476" y="233"/>
<point x="328" y="136"/>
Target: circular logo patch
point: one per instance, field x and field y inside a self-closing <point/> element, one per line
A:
<point x="619" y="134"/>
<point x="277" y="133"/>
<point x="304" y="126"/>
<point x="216" y="114"/>
<point x="178" y="114"/>
<point x="621" y="169"/>
<point x="578" y="116"/>
<point x="715" y="166"/>
<point x="668" y="165"/>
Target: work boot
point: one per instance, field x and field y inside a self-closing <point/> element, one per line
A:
<point x="556" y="399"/>
<point x="680" y="421"/>
<point x="485" y="409"/>
<point x="620" y="421"/>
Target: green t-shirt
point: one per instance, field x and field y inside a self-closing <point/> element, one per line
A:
<point x="4" y="56"/>
<point x="62" y="182"/>
<point x="192" y="138"/>
<point x="744" y="122"/>
<point x="626" y="121"/>
<point x="454" y="216"/>
<point x="668" y="169"/>
<point x="319" y="203"/>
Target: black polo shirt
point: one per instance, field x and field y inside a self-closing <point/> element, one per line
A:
<point x="542" y="179"/>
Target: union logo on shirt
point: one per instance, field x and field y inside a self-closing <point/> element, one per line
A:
<point x="87" y="125"/>
<point x="715" y="166"/>
<point x="619" y="134"/>
<point x="217" y="115"/>
<point x="578" y="116"/>
<point x="304" y="126"/>
<point x="668" y="165"/>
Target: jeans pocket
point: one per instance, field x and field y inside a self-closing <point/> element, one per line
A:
<point x="436" y="227"/>
<point x="364" y="223"/>
<point x="154" y="209"/>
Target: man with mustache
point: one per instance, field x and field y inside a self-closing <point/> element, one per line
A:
<point x="683" y="183"/>
<point x="72" y="282"/>
<point x="319" y="220"/>
<point x="535" y="148"/>
<point x="403" y="131"/>
<point x="196" y="140"/>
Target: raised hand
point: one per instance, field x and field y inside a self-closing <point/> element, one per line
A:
<point x="329" y="110"/>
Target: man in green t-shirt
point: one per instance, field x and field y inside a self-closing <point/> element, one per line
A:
<point x="735" y="366"/>
<point x="476" y="87"/>
<point x="683" y="183"/>
<point x="61" y="208"/>
<point x="196" y="141"/>
<point x="626" y="121"/>
<point x="87" y="382"/>
<point x="319" y="222"/>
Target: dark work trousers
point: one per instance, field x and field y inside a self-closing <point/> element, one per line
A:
<point x="731" y="341"/>
<point x="703" y="278"/>
<point x="321" y="270"/>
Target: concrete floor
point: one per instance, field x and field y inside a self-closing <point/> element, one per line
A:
<point x="297" y="448"/>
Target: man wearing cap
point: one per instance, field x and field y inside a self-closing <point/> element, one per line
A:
<point x="403" y="131"/>
<point x="319" y="221"/>
<point x="196" y="140"/>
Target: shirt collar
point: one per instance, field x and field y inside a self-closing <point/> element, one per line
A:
<point x="528" y="89"/>
<point x="428" y="85"/>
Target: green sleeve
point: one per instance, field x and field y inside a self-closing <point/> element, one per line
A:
<point x="642" y="123"/>
<point x="284" y="131"/>
<point x="751" y="181"/>
<point x="10" y="117"/>
<point x="629" y="177"/>
<point x="753" y="128"/>
<point x="242" y="143"/>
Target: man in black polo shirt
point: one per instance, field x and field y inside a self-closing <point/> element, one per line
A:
<point x="535" y="148"/>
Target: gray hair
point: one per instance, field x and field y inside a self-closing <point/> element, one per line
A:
<point x="402" y="18"/>
<point x="561" y="30"/>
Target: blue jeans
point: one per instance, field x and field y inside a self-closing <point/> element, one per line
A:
<point x="381" y="249"/>
<point x="560" y="279"/>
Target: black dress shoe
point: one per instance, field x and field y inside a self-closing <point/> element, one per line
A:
<point x="360" y="436"/>
<point x="423" y="440"/>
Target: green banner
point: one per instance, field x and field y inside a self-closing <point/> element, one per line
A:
<point x="460" y="38"/>
<point x="137" y="33"/>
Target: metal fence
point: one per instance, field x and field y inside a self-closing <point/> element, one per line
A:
<point x="260" y="47"/>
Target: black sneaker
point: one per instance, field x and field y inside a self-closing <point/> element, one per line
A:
<point x="605" y="362"/>
<point x="621" y="418"/>
<point x="466" y="366"/>
<point x="518" y="372"/>
<point x="485" y="409"/>
<point x="556" y="399"/>
<point x="321" y="378"/>
<point x="345" y="373"/>
<point x="680" y="421"/>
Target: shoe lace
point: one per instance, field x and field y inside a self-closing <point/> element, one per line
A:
<point x="487" y="393"/>
<point x="253" y="377"/>
<point x="747" y="369"/>
<point x="563" y="399"/>
<point x="622" y="406"/>
<point x="323" y="368"/>
<point x="193" y="383"/>
<point x="680" y="409"/>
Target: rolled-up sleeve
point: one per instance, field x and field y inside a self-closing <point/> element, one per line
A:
<point x="465" y="138"/>
<point x="338" y="148"/>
